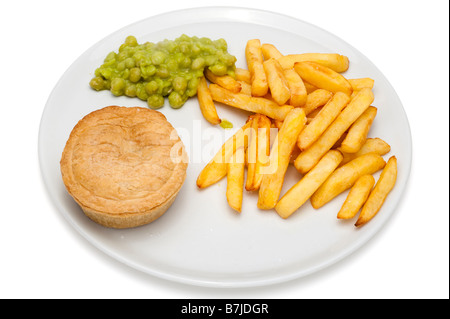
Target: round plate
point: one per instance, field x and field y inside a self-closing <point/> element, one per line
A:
<point x="200" y="240"/>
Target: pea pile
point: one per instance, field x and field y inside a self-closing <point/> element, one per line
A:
<point x="169" y="68"/>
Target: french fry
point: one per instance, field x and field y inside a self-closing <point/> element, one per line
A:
<point x="280" y="154"/>
<point x="243" y="75"/>
<point x="309" y="157"/>
<point x="316" y="99"/>
<point x="345" y="177"/>
<point x="309" y="87"/>
<point x="224" y="81"/>
<point x="216" y="169"/>
<point x="356" y="197"/>
<point x="361" y="83"/>
<point x="336" y="62"/>
<point x="249" y="103"/>
<point x="322" y="120"/>
<point x="254" y="59"/>
<point x="235" y="179"/>
<point x="206" y="103"/>
<point x="298" y="92"/>
<point x="323" y="77"/>
<point x="372" y="145"/>
<point x="252" y="153"/>
<point x="298" y="194"/>
<point x="278" y="85"/>
<point x="377" y="197"/>
<point x="270" y="51"/>
<point x="263" y="151"/>
<point x="357" y="133"/>
<point x="246" y="88"/>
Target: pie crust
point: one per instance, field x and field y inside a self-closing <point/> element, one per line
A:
<point x="124" y="166"/>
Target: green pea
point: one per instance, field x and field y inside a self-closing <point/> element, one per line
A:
<point x="130" y="90"/>
<point x="121" y="66"/>
<point x="97" y="83"/>
<point x="158" y="57"/>
<point x="148" y="71"/>
<point x="110" y="56"/>
<point x="162" y="72"/>
<point x="129" y="63"/>
<point x="140" y="92"/>
<point x="118" y="84"/>
<point x="218" y="69"/>
<point x="179" y="84"/>
<point x="176" y="100"/>
<point x="198" y="64"/>
<point x="106" y="73"/>
<point x="135" y="75"/>
<point x="151" y="87"/>
<point x="131" y="41"/>
<point x="155" y="101"/>
<point x="210" y="60"/>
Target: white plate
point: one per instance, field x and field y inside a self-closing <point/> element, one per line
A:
<point x="200" y="240"/>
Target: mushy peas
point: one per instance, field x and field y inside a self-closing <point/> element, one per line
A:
<point x="169" y="68"/>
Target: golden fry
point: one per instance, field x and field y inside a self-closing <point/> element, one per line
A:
<point x="316" y="99"/>
<point x="278" y="85"/>
<point x="309" y="87"/>
<point x="372" y="145"/>
<point x="361" y="83"/>
<point x="246" y="88"/>
<point x="357" y="133"/>
<point x="270" y="51"/>
<point x="308" y="184"/>
<point x="336" y="62"/>
<point x="309" y="157"/>
<point x="345" y="177"/>
<point x="298" y="92"/>
<point x="280" y="154"/>
<point x="323" y="77"/>
<point x="206" y="103"/>
<point x="254" y="59"/>
<point x="322" y="120"/>
<point x="356" y="197"/>
<point x="249" y="103"/>
<point x="243" y="75"/>
<point x="235" y="179"/>
<point x="263" y="150"/>
<point x="252" y="150"/>
<point x="216" y="169"/>
<point x="224" y="81"/>
<point x="383" y="187"/>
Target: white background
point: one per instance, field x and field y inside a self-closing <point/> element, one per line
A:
<point x="41" y="256"/>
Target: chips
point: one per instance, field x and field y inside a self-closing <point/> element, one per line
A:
<point x="323" y="77"/>
<point x="235" y="179"/>
<point x="280" y="155"/>
<point x="206" y="103"/>
<point x="356" y="197"/>
<point x="344" y="177"/>
<point x="381" y="190"/>
<point x="305" y="187"/>
<point x="249" y="103"/>
<point x="304" y="112"/>
<point x="357" y="133"/>
<point x="336" y="62"/>
<point x="254" y="57"/>
<point x="322" y="120"/>
<point x="309" y="157"/>
<point x="279" y="87"/>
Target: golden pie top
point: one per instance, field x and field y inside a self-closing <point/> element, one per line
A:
<point x="123" y="160"/>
